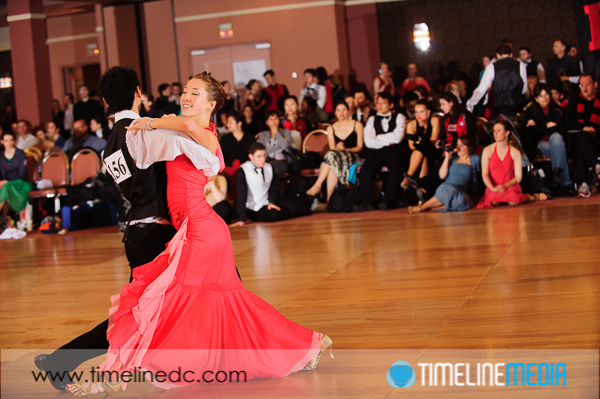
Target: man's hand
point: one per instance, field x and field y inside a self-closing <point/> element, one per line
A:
<point x="137" y="125"/>
<point x="273" y="206"/>
<point x="237" y="224"/>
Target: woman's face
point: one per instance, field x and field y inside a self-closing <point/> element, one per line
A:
<point x="248" y="113"/>
<point x="532" y="82"/>
<point x="341" y="112"/>
<point x="385" y="70"/>
<point x="500" y="134"/>
<point x="461" y="149"/>
<point x="227" y="87"/>
<point x="8" y="142"/>
<point x="51" y="129"/>
<point x="445" y="106"/>
<point x="421" y="112"/>
<point x="232" y="124"/>
<point x="486" y="61"/>
<point x="256" y="86"/>
<point x="455" y="89"/>
<point x="305" y="108"/>
<point x="194" y="99"/>
<point x="40" y="135"/>
<point x="556" y="96"/>
<point x="543" y="99"/>
<point x="290" y="106"/>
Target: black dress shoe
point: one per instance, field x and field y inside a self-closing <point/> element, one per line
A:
<point x="41" y="362"/>
<point x="363" y="207"/>
<point x="568" y="191"/>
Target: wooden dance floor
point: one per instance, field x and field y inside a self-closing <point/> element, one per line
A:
<point x="514" y="278"/>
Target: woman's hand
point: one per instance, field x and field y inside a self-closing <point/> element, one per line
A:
<point x="340" y="146"/>
<point x="550" y="124"/>
<point x="138" y="124"/>
<point x="500" y="188"/>
<point x="530" y="123"/>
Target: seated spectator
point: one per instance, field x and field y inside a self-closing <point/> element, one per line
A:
<point x="58" y="115"/>
<point x="25" y="138"/>
<point x="349" y="99"/>
<point x="413" y="80"/>
<point x="215" y="192"/>
<point x="54" y="135"/>
<point x="584" y="119"/>
<point x="457" y="120"/>
<point x="458" y="171"/>
<point x="362" y="100"/>
<point x="456" y="88"/>
<point x="533" y="67"/>
<point x="81" y="139"/>
<point x="345" y="138"/>
<point x="562" y="66"/>
<point x="277" y="142"/>
<point x="175" y="93"/>
<point x="383" y="81"/>
<point x="163" y="105"/>
<point x="407" y="105"/>
<point x="558" y="96"/>
<point x="43" y="143"/>
<point x="235" y="145"/>
<point x="257" y="98"/>
<point x="87" y="107"/>
<point x="422" y="134"/>
<point x="502" y="171"/>
<point x="231" y="103"/>
<point x="383" y="133"/>
<point x="532" y="81"/>
<point x="250" y="124"/>
<point x="546" y="131"/>
<point x="276" y="92"/>
<point x="309" y="111"/>
<point x="13" y="178"/>
<point x="313" y="89"/>
<point x="323" y="80"/>
<point x="293" y="120"/>
<point x="338" y="91"/>
<point x="257" y="190"/>
<point x="146" y="109"/>
<point x="571" y="50"/>
<point x="97" y="129"/>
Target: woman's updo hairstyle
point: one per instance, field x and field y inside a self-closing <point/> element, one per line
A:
<point x="214" y="90"/>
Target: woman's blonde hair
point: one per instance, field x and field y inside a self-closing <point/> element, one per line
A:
<point x="214" y="89"/>
<point x="461" y="89"/>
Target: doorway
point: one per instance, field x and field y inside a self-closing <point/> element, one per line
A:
<point x="76" y="76"/>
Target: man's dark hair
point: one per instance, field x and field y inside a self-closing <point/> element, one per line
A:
<point x="311" y="103"/>
<point x="569" y="47"/>
<point x="256" y="146"/>
<point x="590" y="74"/>
<point x="366" y="93"/>
<point x="312" y="71"/>
<point x="526" y="49"/>
<point x="28" y="125"/>
<point x="118" y="86"/>
<point x="269" y="72"/>
<point x="176" y="84"/>
<point x="269" y="114"/>
<point x="388" y="97"/>
<point x="70" y="95"/>
<point x="421" y="90"/>
<point x="162" y="87"/>
<point x="503" y="49"/>
<point x="409" y="97"/>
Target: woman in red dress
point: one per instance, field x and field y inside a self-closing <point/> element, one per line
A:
<point x="188" y="309"/>
<point x="502" y="171"/>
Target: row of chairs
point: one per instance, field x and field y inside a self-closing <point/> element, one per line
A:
<point x="54" y="165"/>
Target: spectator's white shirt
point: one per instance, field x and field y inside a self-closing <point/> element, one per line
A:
<point x="27" y="141"/>
<point x="319" y="89"/>
<point x="486" y="81"/>
<point x="376" y="141"/>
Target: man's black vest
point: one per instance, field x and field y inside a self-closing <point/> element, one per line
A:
<point x="391" y="124"/>
<point x="532" y="68"/>
<point x="507" y="85"/>
<point x="146" y="189"/>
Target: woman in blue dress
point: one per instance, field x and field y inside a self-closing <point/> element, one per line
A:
<point x="458" y="172"/>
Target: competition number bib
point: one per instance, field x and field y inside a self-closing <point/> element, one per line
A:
<point x="117" y="167"/>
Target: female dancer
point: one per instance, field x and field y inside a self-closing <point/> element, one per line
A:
<point x="502" y="171"/>
<point x="190" y="297"/>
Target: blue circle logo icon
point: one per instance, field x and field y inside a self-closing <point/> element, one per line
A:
<point x="401" y="375"/>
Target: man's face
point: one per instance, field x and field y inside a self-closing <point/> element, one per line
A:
<point x="22" y="128"/>
<point x="66" y="100"/>
<point x="383" y="106"/>
<point x="360" y="100"/>
<point x="83" y="92"/>
<point x="167" y="92"/>
<point x="259" y="158"/>
<point x="79" y="129"/>
<point x="524" y="55"/>
<point x="573" y="52"/>
<point x="309" y="79"/>
<point x="558" y="47"/>
<point x="95" y="126"/>
<point x="176" y="90"/>
<point x="588" y="87"/>
<point x="270" y="79"/>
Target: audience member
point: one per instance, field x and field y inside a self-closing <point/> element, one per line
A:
<point x="235" y="144"/>
<point x="572" y="51"/>
<point x="58" y="115"/>
<point x="293" y="120"/>
<point x="323" y="80"/>
<point x="257" y="98"/>
<point x="250" y="125"/>
<point x="53" y="134"/>
<point x="546" y="131"/>
<point x="558" y="96"/>
<point x="533" y="68"/>
<point x="508" y="78"/>
<point x="421" y="92"/>
<point x="175" y="93"/>
<point x="25" y="138"/>
<point x="413" y="80"/>
<point x="146" y="108"/>
<point x="407" y="105"/>
<point x="68" y="102"/>
<point x="277" y="142"/>
<point x="215" y="192"/>
<point x="502" y="171"/>
<point x="345" y="138"/>
<point x="9" y="118"/>
<point x="97" y="129"/>
<point x="276" y="92"/>
<point x="362" y="100"/>
<point x="485" y="61"/>
<point x="231" y="103"/>
<point x="457" y="121"/>
<point x="455" y="88"/>
<point x="162" y="105"/>
<point x="13" y="178"/>
<point x="87" y="108"/>
<point x="422" y="134"/>
<point x="532" y="81"/>
<point x="383" y="81"/>
<point x="561" y="64"/>
<point x="43" y="143"/>
<point x="338" y="91"/>
<point x="383" y="133"/>
<point x="459" y="171"/>
<point x="584" y="120"/>
<point x="81" y="139"/>
<point x="257" y="191"/>
<point x="309" y="110"/>
<point x="313" y="89"/>
<point x="349" y="99"/>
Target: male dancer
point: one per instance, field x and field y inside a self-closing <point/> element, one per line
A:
<point x="148" y="227"/>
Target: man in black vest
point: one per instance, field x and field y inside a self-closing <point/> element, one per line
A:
<point x="533" y="67"/>
<point x="508" y="78"/>
<point x="383" y="134"/>
<point x="148" y="228"/>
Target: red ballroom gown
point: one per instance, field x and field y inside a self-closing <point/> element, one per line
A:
<point x="501" y="172"/>
<point x="188" y="308"/>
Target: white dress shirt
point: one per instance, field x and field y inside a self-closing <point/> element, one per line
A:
<point x="486" y="81"/>
<point x="319" y="89"/>
<point x="377" y="141"/>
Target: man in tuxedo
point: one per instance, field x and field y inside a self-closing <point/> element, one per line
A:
<point x="148" y="224"/>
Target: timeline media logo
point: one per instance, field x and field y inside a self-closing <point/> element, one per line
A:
<point x="401" y="375"/>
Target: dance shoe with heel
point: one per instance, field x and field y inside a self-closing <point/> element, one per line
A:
<point x="84" y="390"/>
<point x="326" y="344"/>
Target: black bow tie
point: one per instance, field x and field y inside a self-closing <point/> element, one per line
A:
<point x="384" y="117"/>
<point x="260" y="171"/>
